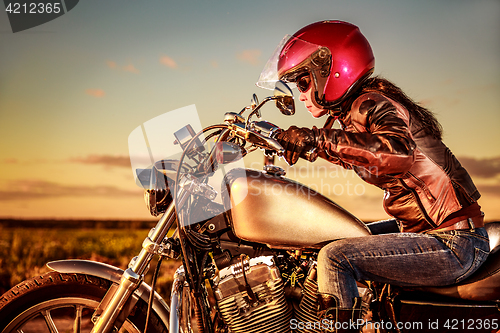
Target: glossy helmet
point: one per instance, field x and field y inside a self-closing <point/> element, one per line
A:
<point x="334" y="53"/>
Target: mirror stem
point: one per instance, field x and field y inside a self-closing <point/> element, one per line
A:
<point x="257" y="108"/>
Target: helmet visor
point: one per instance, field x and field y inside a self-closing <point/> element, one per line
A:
<point x="288" y="57"/>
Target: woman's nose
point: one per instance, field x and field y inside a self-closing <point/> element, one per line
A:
<point x="302" y="97"/>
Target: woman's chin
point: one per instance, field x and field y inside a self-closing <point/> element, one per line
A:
<point x="317" y="113"/>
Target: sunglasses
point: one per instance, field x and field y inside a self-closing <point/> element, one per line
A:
<point x="303" y="82"/>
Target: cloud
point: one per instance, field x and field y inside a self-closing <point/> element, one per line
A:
<point x="111" y="64"/>
<point x="106" y="160"/>
<point x="10" y="160"/>
<point x="250" y="56"/>
<point x="433" y="101"/>
<point x="95" y="92"/>
<point x="167" y="61"/>
<point x="485" y="168"/>
<point x="489" y="190"/>
<point x="131" y="68"/>
<point x="128" y="68"/>
<point x="38" y="189"/>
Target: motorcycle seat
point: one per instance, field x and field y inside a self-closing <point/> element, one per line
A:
<point x="383" y="227"/>
<point x="493" y="230"/>
<point x="484" y="284"/>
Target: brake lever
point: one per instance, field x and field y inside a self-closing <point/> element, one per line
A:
<point x="264" y="142"/>
<point x="309" y="153"/>
<point x="267" y="141"/>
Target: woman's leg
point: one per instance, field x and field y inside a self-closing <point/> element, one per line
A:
<point x="405" y="259"/>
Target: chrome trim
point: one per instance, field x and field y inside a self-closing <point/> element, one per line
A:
<point x="176" y="300"/>
<point x="156" y="236"/>
<point x="451" y="305"/>
<point x="128" y="283"/>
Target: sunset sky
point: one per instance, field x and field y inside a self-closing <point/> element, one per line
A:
<point x="72" y="90"/>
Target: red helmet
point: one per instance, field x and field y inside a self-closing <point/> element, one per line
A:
<point x="334" y="53"/>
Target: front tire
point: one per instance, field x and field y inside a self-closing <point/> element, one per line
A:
<point x="64" y="303"/>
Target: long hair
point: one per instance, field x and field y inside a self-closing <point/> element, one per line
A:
<point x="426" y="118"/>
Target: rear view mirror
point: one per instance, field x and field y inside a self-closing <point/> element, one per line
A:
<point x="284" y="98"/>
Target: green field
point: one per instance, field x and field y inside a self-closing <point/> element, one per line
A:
<point x="25" y="250"/>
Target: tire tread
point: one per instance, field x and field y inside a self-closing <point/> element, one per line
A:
<point x="39" y="288"/>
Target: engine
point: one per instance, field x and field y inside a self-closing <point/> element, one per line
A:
<point x="251" y="298"/>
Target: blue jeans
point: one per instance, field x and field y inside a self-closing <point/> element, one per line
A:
<point x="404" y="259"/>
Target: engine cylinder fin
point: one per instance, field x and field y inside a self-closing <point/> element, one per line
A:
<point x="273" y="322"/>
<point x="309" y="301"/>
<point x="308" y="323"/>
<point x="269" y="313"/>
<point x="306" y="311"/>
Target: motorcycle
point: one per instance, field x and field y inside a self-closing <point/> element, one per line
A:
<point x="248" y="254"/>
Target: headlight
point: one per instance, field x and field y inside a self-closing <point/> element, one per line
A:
<point x="157" y="194"/>
<point x="157" y="200"/>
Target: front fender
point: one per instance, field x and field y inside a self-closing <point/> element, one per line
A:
<point x="113" y="274"/>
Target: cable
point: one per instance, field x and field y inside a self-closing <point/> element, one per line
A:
<point x="151" y="295"/>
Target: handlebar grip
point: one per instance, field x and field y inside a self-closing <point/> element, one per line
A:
<point x="310" y="153"/>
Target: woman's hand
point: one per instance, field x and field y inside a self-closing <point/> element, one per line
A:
<point x="294" y="140"/>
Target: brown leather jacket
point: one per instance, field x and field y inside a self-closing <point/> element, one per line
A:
<point x="423" y="181"/>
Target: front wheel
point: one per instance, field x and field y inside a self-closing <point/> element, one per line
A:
<point x="56" y="302"/>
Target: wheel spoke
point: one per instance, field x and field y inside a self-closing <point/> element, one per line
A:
<point x="77" y="325"/>
<point x="68" y="314"/>
<point x="48" y="320"/>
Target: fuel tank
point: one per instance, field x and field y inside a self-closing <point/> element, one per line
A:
<point x="285" y="214"/>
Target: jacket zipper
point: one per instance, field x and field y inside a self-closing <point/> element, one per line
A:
<point x="419" y="203"/>
<point x="423" y="186"/>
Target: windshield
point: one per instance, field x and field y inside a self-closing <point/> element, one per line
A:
<point x="160" y="142"/>
<point x="289" y="53"/>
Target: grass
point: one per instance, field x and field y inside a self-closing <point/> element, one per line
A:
<point x="25" y="251"/>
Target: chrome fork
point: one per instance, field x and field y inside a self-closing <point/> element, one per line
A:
<point x="113" y="306"/>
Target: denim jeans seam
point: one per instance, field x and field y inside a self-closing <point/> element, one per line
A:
<point x="460" y="233"/>
<point x="475" y="265"/>
<point x="453" y="241"/>
<point x="397" y="255"/>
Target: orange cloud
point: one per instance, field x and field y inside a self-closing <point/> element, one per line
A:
<point x="167" y="61"/>
<point x="111" y="64"/>
<point x="10" y="161"/>
<point x="130" y="68"/>
<point x="106" y="160"/>
<point x="39" y="189"/>
<point x="481" y="167"/>
<point x="250" y="56"/>
<point x="95" y="92"/>
<point x="493" y="189"/>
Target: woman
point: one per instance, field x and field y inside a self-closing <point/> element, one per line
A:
<point x="390" y="142"/>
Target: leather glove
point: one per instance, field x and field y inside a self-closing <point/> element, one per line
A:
<point x="294" y="140"/>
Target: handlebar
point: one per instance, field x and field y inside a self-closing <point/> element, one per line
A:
<point x="309" y="153"/>
<point x="262" y="134"/>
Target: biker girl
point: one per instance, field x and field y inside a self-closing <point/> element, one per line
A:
<point x="393" y="143"/>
